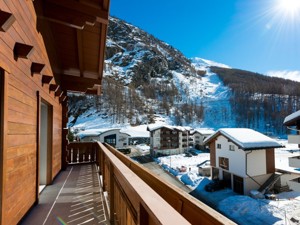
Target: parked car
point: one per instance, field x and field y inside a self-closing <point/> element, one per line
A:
<point x="215" y="185"/>
<point x="193" y="152"/>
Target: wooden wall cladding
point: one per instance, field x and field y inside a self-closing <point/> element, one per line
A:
<point x="19" y="178"/>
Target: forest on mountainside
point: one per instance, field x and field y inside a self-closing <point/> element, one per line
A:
<point x="246" y="82"/>
<point x="122" y="104"/>
<point x="260" y="101"/>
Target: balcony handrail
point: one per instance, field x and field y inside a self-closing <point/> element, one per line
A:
<point x="190" y="208"/>
<point x="114" y="177"/>
<point x="144" y="205"/>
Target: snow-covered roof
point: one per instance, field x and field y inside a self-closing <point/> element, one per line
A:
<point x="246" y="139"/>
<point x="138" y="131"/>
<point x="204" y="131"/>
<point x="291" y="120"/>
<point x="157" y="127"/>
<point x="94" y="132"/>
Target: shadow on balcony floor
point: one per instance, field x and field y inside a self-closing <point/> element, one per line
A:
<point x="75" y="197"/>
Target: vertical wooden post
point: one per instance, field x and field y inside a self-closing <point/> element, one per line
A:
<point x="3" y="135"/>
<point x="65" y="142"/>
<point x="144" y="216"/>
<point x="38" y="120"/>
<point x="101" y="165"/>
<point x="111" y="194"/>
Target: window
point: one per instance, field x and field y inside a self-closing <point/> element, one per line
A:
<point x="219" y="146"/>
<point x="224" y="163"/>
<point x="231" y="147"/>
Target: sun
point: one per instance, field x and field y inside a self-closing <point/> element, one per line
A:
<point x="289" y="7"/>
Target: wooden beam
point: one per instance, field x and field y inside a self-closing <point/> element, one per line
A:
<point x="80" y="51"/>
<point x="6" y="20"/>
<point x="62" y="98"/>
<point x="100" y="14"/>
<point x="94" y="91"/>
<point x="53" y="87"/>
<point x="36" y="68"/>
<point x="58" y="92"/>
<point x="80" y="84"/>
<point x="46" y="79"/>
<point x="69" y="17"/>
<point x="102" y="50"/>
<point x="22" y="50"/>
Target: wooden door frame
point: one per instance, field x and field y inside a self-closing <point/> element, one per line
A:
<point x="40" y="100"/>
<point x="3" y="128"/>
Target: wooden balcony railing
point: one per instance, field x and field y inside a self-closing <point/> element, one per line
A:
<point x="82" y="152"/>
<point x="136" y="196"/>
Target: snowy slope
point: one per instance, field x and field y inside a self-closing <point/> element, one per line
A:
<point x="140" y="62"/>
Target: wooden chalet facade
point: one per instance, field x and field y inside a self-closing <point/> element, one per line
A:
<point x="47" y="48"/>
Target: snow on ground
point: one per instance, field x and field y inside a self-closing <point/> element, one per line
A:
<point x="200" y="62"/>
<point x="241" y="209"/>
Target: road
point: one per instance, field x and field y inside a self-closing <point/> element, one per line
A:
<point x="147" y="162"/>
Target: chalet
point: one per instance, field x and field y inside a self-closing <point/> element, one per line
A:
<point x="47" y="49"/>
<point x="293" y="123"/>
<point x="169" y="140"/>
<point x="114" y="137"/>
<point x="243" y="158"/>
<point x="199" y="135"/>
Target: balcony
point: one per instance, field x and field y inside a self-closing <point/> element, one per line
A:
<point x="294" y="139"/>
<point x="294" y="162"/>
<point x="294" y="184"/>
<point x="103" y="186"/>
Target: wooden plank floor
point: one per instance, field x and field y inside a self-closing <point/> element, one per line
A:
<point x="75" y="197"/>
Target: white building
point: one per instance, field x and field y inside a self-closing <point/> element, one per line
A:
<point x="199" y="135"/>
<point x="113" y="137"/>
<point x="168" y="140"/>
<point x="293" y="122"/>
<point x="243" y="158"/>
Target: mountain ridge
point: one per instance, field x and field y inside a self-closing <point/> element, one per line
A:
<point x="146" y="80"/>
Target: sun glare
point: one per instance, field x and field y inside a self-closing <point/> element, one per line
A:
<point x="289" y="7"/>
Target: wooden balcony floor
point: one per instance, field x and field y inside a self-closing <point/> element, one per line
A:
<point x="75" y="197"/>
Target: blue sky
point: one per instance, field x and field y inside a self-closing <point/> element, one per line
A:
<point x="256" y="35"/>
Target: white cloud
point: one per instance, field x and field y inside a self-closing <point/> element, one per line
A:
<point x="291" y="75"/>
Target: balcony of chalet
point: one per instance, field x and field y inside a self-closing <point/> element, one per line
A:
<point x="103" y="186"/>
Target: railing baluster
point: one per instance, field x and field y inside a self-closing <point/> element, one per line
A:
<point x="89" y="157"/>
<point x="71" y="155"/>
<point x="78" y="155"/>
<point x="83" y="159"/>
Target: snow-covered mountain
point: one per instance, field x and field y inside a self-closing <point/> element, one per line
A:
<point x="146" y="80"/>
